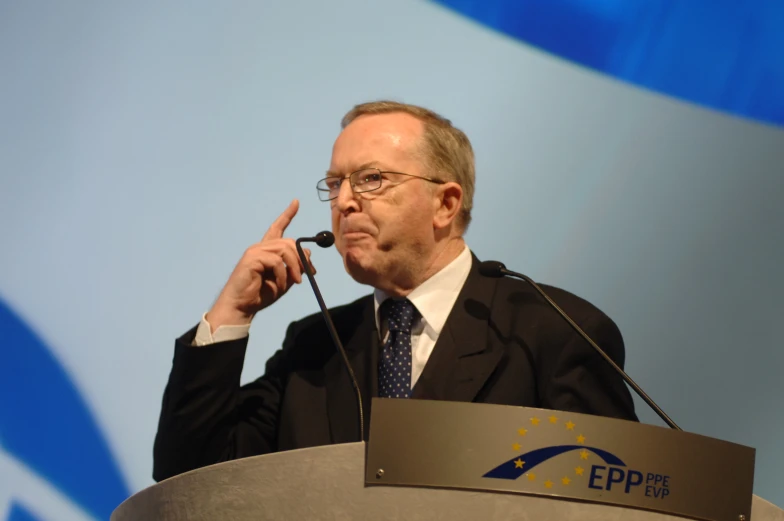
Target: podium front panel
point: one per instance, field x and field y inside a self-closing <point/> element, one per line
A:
<point x="559" y="454"/>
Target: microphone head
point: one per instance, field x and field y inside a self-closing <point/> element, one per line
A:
<point x="492" y="269"/>
<point x="325" y="239"/>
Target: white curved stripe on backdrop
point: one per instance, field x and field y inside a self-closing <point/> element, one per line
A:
<point x="21" y="486"/>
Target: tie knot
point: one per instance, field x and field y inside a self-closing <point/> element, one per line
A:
<point x="400" y="314"/>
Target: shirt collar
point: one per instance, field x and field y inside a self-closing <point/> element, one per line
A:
<point x="435" y="297"/>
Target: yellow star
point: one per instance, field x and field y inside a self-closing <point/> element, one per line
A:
<point x="580" y="439"/>
<point x="531" y="476"/>
<point x="569" y="426"/>
<point x="565" y="480"/>
<point x="519" y="463"/>
<point x="548" y="484"/>
<point x="535" y="421"/>
<point x="553" y="419"/>
<point x="521" y="431"/>
<point x="516" y="447"/>
<point x="579" y="471"/>
<point x="583" y="454"/>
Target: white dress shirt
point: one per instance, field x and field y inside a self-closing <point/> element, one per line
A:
<point x="434" y="299"/>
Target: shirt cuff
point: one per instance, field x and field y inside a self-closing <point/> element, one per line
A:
<point x="204" y="335"/>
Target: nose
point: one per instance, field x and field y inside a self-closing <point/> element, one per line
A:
<point x="346" y="201"/>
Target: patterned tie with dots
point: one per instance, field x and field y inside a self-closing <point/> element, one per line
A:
<point x="394" y="368"/>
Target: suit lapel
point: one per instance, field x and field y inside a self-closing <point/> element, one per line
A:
<point x="361" y="344"/>
<point x="462" y="358"/>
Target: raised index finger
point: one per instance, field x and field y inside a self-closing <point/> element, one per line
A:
<point x="281" y="223"/>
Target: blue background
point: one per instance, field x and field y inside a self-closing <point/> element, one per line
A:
<point x="144" y="147"/>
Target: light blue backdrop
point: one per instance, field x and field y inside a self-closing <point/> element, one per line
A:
<point x="144" y="147"/>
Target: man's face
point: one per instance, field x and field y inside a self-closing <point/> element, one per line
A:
<point x="386" y="235"/>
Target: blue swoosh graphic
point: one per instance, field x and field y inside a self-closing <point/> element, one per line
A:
<point x="46" y="424"/>
<point x="510" y="470"/>
<point x="19" y="513"/>
<point x="724" y="54"/>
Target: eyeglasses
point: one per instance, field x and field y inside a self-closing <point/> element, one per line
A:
<point x="365" y="180"/>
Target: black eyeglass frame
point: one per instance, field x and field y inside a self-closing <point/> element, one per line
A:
<point x="323" y="192"/>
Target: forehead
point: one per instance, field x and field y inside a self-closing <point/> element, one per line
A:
<point x="383" y="140"/>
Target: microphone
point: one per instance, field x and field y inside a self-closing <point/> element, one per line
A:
<point x="325" y="240"/>
<point x="495" y="269"/>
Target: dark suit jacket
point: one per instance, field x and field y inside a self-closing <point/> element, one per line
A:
<point x="501" y="344"/>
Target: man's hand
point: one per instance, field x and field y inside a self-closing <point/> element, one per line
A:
<point x="264" y="274"/>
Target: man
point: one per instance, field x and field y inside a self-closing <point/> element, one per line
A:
<point x="400" y="186"/>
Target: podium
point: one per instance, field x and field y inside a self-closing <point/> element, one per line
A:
<point x="429" y="460"/>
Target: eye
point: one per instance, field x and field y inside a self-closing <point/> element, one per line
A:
<point x="333" y="183"/>
<point x="369" y="178"/>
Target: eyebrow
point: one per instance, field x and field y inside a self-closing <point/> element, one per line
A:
<point x="369" y="164"/>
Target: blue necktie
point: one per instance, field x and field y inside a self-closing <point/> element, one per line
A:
<point x="394" y="368"/>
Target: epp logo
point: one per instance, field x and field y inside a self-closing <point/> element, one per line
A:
<point x="592" y="467"/>
<point x="54" y="463"/>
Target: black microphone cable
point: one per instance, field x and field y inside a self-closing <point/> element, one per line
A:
<point x="497" y="269"/>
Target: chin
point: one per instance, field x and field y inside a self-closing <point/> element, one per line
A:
<point x="359" y="266"/>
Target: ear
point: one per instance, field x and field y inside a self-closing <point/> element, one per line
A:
<point x="448" y="199"/>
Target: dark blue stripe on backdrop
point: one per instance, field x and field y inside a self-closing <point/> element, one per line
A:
<point x="46" y="424"/>
<point x="724" y="54"/>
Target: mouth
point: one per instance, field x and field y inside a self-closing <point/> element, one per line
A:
<point x="354" y="235"/>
